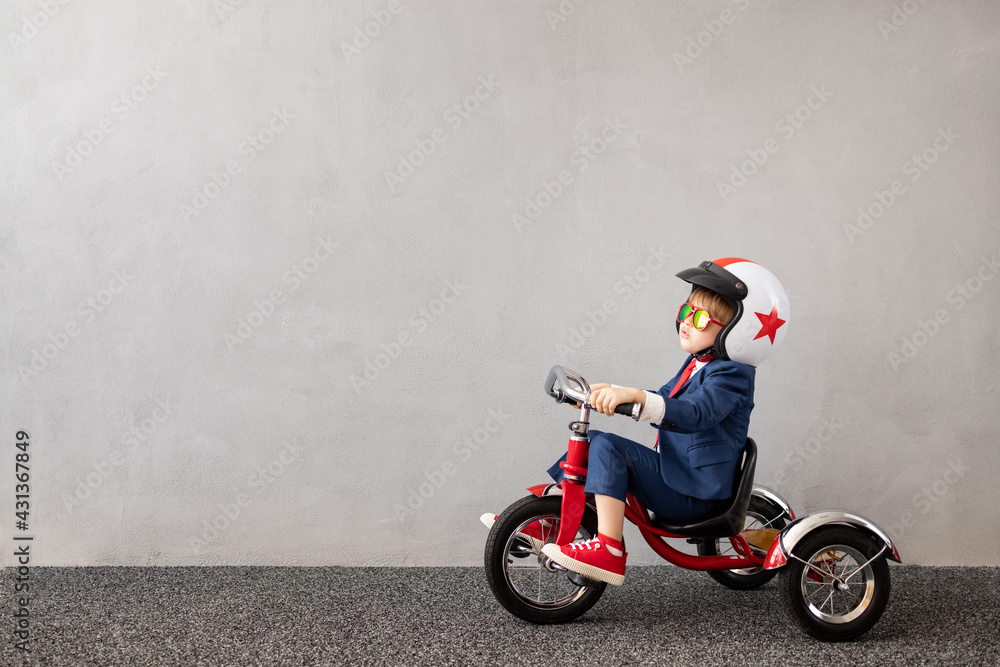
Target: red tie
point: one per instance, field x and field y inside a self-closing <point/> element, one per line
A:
<point x="680" y="383"/>
<point x="684" y="377"/>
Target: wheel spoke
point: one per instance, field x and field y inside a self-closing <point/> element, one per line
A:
<point x="858" y="598"/>
<point x="819" y="589"/>
<point x="861" y="567"/>
<point x="822" y="573"/>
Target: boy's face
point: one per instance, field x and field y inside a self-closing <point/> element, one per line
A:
<point x="693" y="340"/>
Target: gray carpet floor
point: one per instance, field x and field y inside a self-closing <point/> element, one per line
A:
<point x="441" y="616"/>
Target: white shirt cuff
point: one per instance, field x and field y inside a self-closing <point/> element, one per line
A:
<point x="654" y="408"/>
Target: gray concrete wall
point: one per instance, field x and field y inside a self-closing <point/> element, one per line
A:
<point x="266" y="297"/>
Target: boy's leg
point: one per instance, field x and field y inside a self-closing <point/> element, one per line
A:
<point x="610" y="460"/>
<point x="642" y="478"/>
<point x="610" y="519"/>
<point x="614" y="465"/>
<point x="602" y="557"/>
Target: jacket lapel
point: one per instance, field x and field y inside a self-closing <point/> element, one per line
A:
<point x="694" y="380"/>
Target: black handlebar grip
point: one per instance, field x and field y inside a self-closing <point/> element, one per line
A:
<point x="624" y="409"/>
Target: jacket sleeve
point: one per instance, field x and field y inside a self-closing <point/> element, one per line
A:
<point x="708" y="404"/>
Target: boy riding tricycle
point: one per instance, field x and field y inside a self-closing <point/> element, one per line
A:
<point x="549" y="556"/>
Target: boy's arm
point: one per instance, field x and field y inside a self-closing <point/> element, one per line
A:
<point x="708" y="404"/>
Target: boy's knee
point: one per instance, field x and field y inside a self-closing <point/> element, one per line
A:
<point x="600" y="442"/>
<point x="605" y="448"/>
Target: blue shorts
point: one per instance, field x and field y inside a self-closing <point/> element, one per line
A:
<point x="617" y="466"/>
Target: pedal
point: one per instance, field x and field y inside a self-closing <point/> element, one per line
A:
<point x="582" y="581"/>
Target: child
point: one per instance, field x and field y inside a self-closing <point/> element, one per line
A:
<point x="728" y="324"/>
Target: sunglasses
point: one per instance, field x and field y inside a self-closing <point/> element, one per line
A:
<point x="700" y="317"/>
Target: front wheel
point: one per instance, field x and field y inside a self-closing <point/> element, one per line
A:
<point x="523" y="579"/>
<point x="836" y="585"/>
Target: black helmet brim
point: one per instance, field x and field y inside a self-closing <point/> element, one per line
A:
<point x="714" y="277"/>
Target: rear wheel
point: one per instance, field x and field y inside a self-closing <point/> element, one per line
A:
<point x="837" y="585"/>
<point x="762" y="513"/>
<point x="523" y="579"/>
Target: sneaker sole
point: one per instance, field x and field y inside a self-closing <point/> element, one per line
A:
<point x="554" y="552"/>
<point x="490" y="519"/>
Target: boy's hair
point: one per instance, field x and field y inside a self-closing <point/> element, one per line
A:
<point x="716" y="306"/>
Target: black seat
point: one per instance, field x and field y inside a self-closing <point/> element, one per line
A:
<point x="729" y="522"/>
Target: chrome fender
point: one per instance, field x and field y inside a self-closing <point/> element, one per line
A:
<point x="764" y="492"/>
<point x="782" y="547"/>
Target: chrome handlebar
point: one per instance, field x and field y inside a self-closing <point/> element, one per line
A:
<point x="565" y="385"/>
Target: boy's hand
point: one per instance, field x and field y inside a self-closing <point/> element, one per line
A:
<point x="599" y="385"/>
<point x="604" y="398"/>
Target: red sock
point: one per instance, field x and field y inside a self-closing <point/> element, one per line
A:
<point x="612" y="543"/>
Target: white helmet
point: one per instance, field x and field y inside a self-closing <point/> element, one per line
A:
<point x="759" y="302"/>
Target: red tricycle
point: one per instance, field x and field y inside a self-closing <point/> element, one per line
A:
<point x="833" y="575"/>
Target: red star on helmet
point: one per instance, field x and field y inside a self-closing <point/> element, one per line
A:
<point x="770" y="323"/>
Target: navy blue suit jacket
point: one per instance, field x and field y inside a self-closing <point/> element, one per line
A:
<point x="704" y="428"/>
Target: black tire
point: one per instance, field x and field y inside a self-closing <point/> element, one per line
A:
<point x="762" y="513"/>
<point x="512" y="563"/>
<point x="810" y="596"/>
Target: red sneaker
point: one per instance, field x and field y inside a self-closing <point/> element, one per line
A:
<point x="536" y="534"/>
<point x="591" y="559"/>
